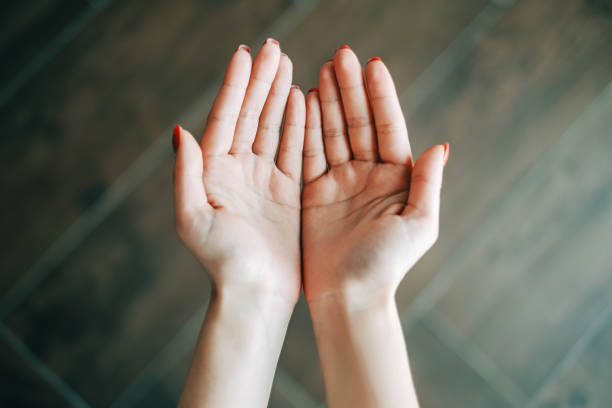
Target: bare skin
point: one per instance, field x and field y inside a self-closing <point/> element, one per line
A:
<point x="365" y="215"/>
<point x="368" y="215"/>
<point x="238" y="211"/>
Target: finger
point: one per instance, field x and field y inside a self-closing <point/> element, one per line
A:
<point x="425" y="184"/>
<point x="268" y="132"/>
<point x="221" y="124"/>
<point x="315" y="164"/>
<point x="189" y="194"/>
<point x="262" y="76"/>
<point x="393" y="143"/>
<point x="337" y="148"/>
<point x="290" y="151"/>
<point x="356" y="105"/>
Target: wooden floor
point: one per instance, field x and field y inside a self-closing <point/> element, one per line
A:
<point x="100" y="303"/>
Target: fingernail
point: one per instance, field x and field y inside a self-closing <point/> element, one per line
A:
<point x="271" y="40"/>
<point x="329" y="60"/>
<point x="344" y="47"/>
<point x="283" y="54"/>
<point x="295" y="87"/>
<point x="176" y="138"/>
<point x="446" y="151"/>
<point x="313" y="90"/>
<point x="243" y="47"/>
<point x="374" y="59"/>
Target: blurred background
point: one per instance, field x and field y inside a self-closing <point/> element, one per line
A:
<point x="100" y="304"/>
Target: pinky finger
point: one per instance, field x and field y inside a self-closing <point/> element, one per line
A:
<point x="290" y="151"/>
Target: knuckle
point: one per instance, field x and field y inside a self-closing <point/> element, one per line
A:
<point x="386" y="129"/>
<point x="249" y="114"/>
<point x="291" y="148"/>
<point x="270" y="127"/>
<point x="420" y="178"/>
<point x="333" y="132"/>
<point x="313" y="152"/>
<point x="358" y="122"/>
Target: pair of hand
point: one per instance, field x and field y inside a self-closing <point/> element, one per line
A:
<point x="366" y="212"/>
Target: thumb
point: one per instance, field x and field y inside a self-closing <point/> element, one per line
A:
<point x="426" y="182"/>
<point x="189" y="194"/>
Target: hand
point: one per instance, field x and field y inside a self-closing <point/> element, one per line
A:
<point x="368" y="214"/>
<point x="237" y="209"/>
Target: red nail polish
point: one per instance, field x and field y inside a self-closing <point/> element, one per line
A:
<point x="176" y="138"/>
<point x="344" y="47"/>
<point x="271" y="40"/>
<point x="374" y="59"/>
<point x="446" y="152"/>
<point x="313" y="90"/>
<point x="243" y="47"/>
<point x="295" y="87"/>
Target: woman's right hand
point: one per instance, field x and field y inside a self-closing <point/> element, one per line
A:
<point x="368" y="214"/>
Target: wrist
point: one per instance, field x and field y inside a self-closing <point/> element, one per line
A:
<point x="351" y="304"/>
<point x="249" y="300"/>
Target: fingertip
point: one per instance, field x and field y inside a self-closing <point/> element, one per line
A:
<point x="176" y="138"/>
<point x="446" y="153"/>
<point x="243" y="47"/>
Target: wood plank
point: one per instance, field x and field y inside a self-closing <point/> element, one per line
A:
<point x="409" y="36"/>
<point x="27" y="29"/>
<point x="505" y="104"/>
<point x="541" y="270"/>
<point x="118" y="300"/>
<point x="167" y="391"/>
<point x="442" y="379"/>
<point x="77" y="126"/>
<point x="21" y="386"/>
<point x="586" y="383"/>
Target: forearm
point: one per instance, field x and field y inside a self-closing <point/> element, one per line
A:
<point x="363" y="354"/>
<point x="237" y="351"/>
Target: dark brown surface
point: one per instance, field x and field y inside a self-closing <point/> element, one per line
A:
<point x="21" y="386"/>
<point x="80" y="123"/>
<point x="505" y="104"/>
<point x="125" y="292"/>
<point x="537" y="306"/>
<point x="110" y="318"/>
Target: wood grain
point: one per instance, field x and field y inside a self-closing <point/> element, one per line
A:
<point x="442" y="379"/>
<point x="586" y="383"/>
<point x="77" y="126"/>
<point x="541" y="270"/>
<point x="118" y="300"/>
<point x="505" y="104"/>
<point x="21" y="386"/>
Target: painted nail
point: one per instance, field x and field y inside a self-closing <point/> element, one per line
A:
<point x="176" y="138"/>
<point x="446" y="152"/>
<point x="295" y="87"/>
<point x="243" y="47"/>
<point x="313" y="90"/>
<point x="374" y="59"/>
<point x="271" y="40"/>
<point x="344" y="47"/>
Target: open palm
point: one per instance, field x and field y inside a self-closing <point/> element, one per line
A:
<point x="368" y="214"/>
<point x="237" y="208"/>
